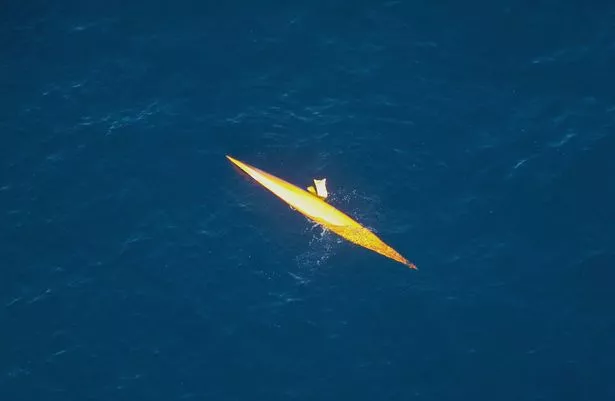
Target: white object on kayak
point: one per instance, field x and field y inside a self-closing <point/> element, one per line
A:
<point x="319" y="188"/>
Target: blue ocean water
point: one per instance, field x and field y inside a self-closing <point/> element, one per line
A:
<point x="477" y="138"/>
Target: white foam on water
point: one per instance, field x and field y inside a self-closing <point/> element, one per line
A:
<point x="322" y="246"/>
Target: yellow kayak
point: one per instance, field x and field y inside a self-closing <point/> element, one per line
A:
<point x="321" y="212"/>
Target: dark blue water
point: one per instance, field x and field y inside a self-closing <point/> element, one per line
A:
<point x="477" y="138"/>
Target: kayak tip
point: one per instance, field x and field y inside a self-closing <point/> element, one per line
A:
<point x="234" y="161"/>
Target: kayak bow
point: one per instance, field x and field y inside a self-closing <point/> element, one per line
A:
<point x="321" y="212"/>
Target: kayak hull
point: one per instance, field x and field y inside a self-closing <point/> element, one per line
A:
<point x="321" y="212"/>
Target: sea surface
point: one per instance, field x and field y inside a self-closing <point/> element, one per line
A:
<point x="475" y="137"/>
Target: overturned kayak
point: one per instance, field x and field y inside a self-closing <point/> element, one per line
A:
<point x="319" y="211"/>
